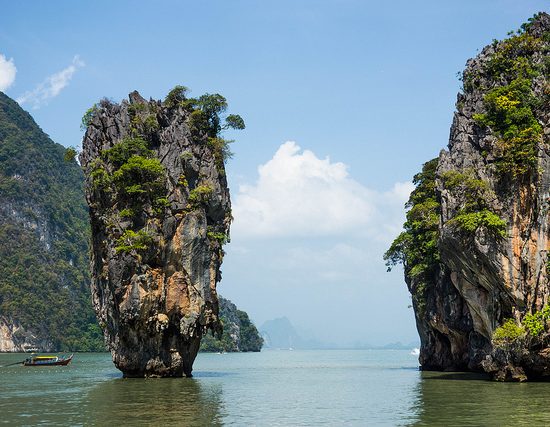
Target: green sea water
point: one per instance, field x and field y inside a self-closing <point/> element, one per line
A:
<point x="271" y="388"/>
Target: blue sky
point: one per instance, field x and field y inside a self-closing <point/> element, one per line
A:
<point x="365" y="89"/>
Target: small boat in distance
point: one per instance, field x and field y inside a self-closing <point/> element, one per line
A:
<point x="47" y="360"/>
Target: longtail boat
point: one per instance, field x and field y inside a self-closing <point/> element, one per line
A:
<point x="48" y="361"/>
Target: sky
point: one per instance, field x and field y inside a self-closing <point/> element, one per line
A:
<point x="343" y="101"/>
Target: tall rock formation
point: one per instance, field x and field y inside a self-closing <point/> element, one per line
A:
<point x="160" y="212"/>
<point x="475" y="245"/>
<point x="45" y="302"/>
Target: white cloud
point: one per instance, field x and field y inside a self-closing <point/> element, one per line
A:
<point x="51" y="86"/>
<point x="7" y="72"/>
<point x="298" y="194"/>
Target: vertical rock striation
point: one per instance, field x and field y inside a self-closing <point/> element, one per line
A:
<point x="479" y="300"/>
<point x="160" y="212"/>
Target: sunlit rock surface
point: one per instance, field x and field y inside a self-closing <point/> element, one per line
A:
<point x="154" y="291"/>
<point x="485" y="278"/>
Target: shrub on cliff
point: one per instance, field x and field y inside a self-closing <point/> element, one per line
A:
<point x="510" y="115"/>
<point x="123" y="150"/>
<point x="475" y="195"/>
<point x="176" y="96"/>
<point x="508" y="333"/>
<point x="130" y="169"/>
<point x="206" y="119"/>
<point x="70" y="154"/>
<point x="472" y="221"/>
<point x="416" y="247"/>
<point x="529" y="331"/>
<point x="87" y="117"/>
<point x="535" y="323"/>
<point x="140" y="175"/>
<point x="132" y="241"/>
<point x="508" y="78"/>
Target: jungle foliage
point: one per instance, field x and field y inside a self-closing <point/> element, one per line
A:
<point x="475" y="194"/>
<point x="416" y="247"/>
<point x="44" y="236"/>
<point x="247" y="338"/>
<point x="510" y="103"/>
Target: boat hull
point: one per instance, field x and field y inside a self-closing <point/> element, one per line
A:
<point x="59" y="362"/>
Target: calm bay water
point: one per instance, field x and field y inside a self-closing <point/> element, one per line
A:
<point x="333" y="387"/>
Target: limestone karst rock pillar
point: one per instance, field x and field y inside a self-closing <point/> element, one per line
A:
<point x="476" y="241"/>
<point x="160" y="212"/>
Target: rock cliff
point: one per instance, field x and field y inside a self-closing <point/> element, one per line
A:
<point x="45" y="301"/>
<point x="160" y="213"/>
<point x="475" y="245"/>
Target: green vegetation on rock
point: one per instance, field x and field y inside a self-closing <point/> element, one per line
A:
<point x="511" y="105"/>
<point x="206" y="120"/>
<point x="133" y="241"/>
<point x="176" y="96"/>
<point x="130" y="169"/>
<point x="532" y="327"/>
<point x="508" y="333"/>
<point x="70" y="154"/>
<point x="510" y="114"/>
<point x="239" y="333"/>
<point x="123" y="150"/>
<point x="87" y="117"/>
<point x="472" y="221"/>
<point x="143" y="119"/>
<point x="218" y="236"/>
<point x="416" y="247"/>
<point x="535" y="323"/>
<point x="44" y="236"/>
<point x="475" y="194"/>
<point x="200" y="194"/>
<point x="140" y="176"/>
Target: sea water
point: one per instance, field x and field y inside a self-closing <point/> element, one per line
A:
<point x="272" y="388"/>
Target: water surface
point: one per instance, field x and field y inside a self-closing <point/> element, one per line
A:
<point x="330" y="387"/>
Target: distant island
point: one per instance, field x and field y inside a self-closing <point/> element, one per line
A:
<point x="239" y="333"/>
<point x="281" y="334"/>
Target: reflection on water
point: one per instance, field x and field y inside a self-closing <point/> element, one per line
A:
<point x="270" y="388"/>
<point x="473" y="400"/>
<point x="175" y="401"/>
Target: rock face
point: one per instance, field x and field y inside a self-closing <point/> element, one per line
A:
<point x="491" y="203"/>
<point x="14" y="338"/>
<point x="45" y="301"/>
<point x="160" y="212"/>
